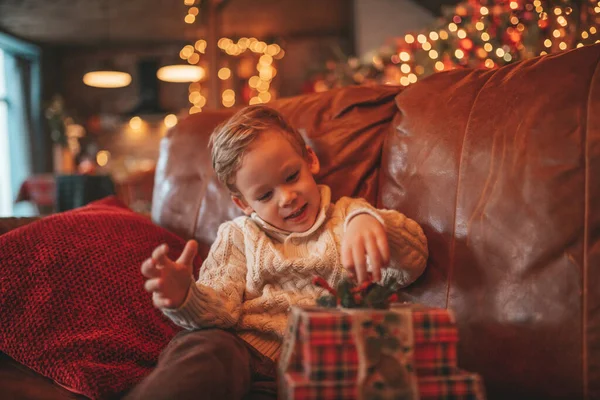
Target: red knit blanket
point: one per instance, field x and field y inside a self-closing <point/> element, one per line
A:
<point x="72" y="298"/>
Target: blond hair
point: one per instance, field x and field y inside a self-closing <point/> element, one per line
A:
<point x="231" y="140"/>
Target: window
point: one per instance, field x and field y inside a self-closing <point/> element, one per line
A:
<point x="5" y="191"/>
<point x="20" y="119"/>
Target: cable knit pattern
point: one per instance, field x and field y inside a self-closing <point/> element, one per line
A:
<point x="255" y="272"/>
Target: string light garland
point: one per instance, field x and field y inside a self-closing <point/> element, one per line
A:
<point x="257" y="88"/>
<point x="475" y="34"/>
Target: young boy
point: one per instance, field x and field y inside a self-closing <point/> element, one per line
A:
<point x="263" y="263"/>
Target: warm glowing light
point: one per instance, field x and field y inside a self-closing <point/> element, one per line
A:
<point x="556" y="33"/>
<point x="484" y="11"/>
<point x="485" y="36"/>
<point x="135" y="123"/>
<point x="189" y="2"/>
<point x="585" y="35"/>
<point x="265" y="97"/>
<point x="228" y="94"/>
<point x="194" y="58"/>
<point x="480" y="26"/>
<point x="255" y="100"/>
<point x="507" y="57"/>
<point x="102" y="157"/>
<point x="459" y="54"/>
<point x="404" y="56"/>
<point x="433" y="54"/>
<point x="514" y="5"/>
<point x="557" y="11"/>
<point x="439" y="66"/>
<point x="224" y="73"/>
<point x="443" y="35"/>
<point x="562" y="46"/>
<point x="189" y="19"/>
<point x="548" y="43"/>
<point x="253" y="81"/>
<point x="426" y="46"/>
<point x="180" y="73"/>
<point x="593" y="30"/>
<point x="412" y="78"/>
<point x="107" y="79"/>
<point x="193" y="11"/>
<point x="170" y="120"/>
<point x="193" y="97"/>
<point x="488" y="47"/>
<point x="452" y="27"/>
<point x="434" y="36"/>
<point x="273" y="49"/>
<point x="409" y="39"/>
<point x="514" y="20"/>
<point x="405" y="68"/>
<point x="265" y="59"/>
<point x="421" y="38"/>
<point x="200" y="45"/>
<point x="404" y="81"/>
<point x="195" y="109"/>
<point x="500" y="52"/>
<point x="489" y="63"/>
<point x="187" y="51"/>
<point x="461" y="34"/>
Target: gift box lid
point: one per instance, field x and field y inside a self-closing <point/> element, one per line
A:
<point x="334" y="326"/>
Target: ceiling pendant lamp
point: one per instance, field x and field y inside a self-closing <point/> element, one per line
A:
<point x="180" y="73"/>
<point x="106" y="75"/>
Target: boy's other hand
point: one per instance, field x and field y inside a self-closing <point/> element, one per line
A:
<point x="365" y="236"/>
<point x="168" y="280"/>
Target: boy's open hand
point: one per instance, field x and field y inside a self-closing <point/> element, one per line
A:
<point x="365" y="236"/>
<point x="168" y="280"/>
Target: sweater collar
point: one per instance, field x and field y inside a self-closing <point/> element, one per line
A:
<point x="281" y="235"/>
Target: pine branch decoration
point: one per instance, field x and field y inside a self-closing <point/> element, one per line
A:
<point x="350" y="294"/>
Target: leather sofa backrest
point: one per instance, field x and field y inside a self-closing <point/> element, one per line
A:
<point x="501" y="168"/>
<point x="346" y="128"/>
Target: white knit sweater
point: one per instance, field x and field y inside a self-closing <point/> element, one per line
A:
<point x="254" y="272"/>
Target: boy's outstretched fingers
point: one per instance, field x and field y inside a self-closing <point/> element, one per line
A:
<point x="159" y="255"/>
<point x="189" y="252"/>
<point x="153" y="285"/>
<point x="149" y="269"/>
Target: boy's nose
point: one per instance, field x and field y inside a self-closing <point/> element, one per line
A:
<point x="287" y="197"/>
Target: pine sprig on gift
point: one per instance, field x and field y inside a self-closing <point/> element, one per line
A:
<point x="350" y="294"/>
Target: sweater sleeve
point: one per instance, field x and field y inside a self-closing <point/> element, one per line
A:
<point x="407" y="242"/>
<point x="215" y="299"/>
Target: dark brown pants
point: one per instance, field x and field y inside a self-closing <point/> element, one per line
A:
<point x="209" y="364"/>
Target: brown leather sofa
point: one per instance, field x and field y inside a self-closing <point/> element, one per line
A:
<point x="501" y="168"/>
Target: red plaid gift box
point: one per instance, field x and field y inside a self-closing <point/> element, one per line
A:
<point x="329" y="351"/>
<point x="459" y="386"/>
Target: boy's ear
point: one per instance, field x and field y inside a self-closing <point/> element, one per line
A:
<point x="241" y="204"/>
<point x="313" y="161"/>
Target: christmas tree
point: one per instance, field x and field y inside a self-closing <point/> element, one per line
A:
<point x="475" y="34"/>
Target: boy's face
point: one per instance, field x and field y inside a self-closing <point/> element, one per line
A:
<point x="277" y="183"/>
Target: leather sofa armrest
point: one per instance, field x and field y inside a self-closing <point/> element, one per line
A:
<point x="10" y="223"/>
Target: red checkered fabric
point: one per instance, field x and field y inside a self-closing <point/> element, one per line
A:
<point x="329" y="350"/>
<point x="297" y="387"/>
<point x="460" y="386"/>
<point x="435" y="358"/>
